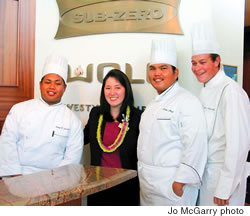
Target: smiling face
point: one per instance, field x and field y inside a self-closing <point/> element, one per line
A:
<point x="204" y="68"/>
<point x="162" y="76"/>
<point x="52" y="88"/>
<point x="114" y="92"/>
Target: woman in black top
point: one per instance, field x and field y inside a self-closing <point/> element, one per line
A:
<point x="112" y="131"/>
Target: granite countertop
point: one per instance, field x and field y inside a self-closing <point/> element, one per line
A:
<point x="60" y="185"/>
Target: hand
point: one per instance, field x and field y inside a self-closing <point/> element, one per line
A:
<point x="221" y="202"/>
<point x="178" y="188"/>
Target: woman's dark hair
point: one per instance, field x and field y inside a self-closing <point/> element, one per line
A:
<point x="128" y="99"/>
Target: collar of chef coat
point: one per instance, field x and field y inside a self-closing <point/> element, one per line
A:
<point x="53" y="105"/>
<point x="169" y="91"/>
<point x="216" y="79"/>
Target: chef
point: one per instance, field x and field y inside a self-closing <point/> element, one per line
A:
<point x="227" y="111"/>
<point x="43" y="133"/>
<point x="172" y="144"/>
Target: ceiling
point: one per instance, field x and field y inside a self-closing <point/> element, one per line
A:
<point x="247" y="13"/>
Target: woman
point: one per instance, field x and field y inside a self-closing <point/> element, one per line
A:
<point x="112" y="131"/>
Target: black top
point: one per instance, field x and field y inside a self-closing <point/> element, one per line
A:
<point x="128" y="157"/>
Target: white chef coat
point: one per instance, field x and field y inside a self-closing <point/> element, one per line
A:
<point x="38" y="136"/>
<point x="227" y="112"/>
<point x="172" y="146"/>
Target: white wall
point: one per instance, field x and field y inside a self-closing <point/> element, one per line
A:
<point x="134" y="48"/>
<point x="229" y="16"/>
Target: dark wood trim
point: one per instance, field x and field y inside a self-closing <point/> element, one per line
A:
<point x="24" y="90"/>
<point x="27" y="18"/>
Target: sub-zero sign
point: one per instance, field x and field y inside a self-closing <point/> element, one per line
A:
<point x="107" y="16"/>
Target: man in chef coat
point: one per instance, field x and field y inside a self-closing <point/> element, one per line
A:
<point x="226" y="107"/>
<point x="43" y="133"/>
<point x="172" y="144"/>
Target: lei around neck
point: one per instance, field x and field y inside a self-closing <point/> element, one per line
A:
<point x="118" y="141"/>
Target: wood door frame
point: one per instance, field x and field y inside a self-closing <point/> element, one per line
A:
<point x="24" y="90"/>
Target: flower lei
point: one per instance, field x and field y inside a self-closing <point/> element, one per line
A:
<point x="120" y="137"/>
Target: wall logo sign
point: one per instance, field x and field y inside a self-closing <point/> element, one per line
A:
<point x="79" y="74"/>
<point x="86" y="17"/>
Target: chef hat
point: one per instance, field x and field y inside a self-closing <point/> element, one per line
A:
<point x="204" y="39"/>
<point x="56" y="64"/>
<point x="163" y="51"/>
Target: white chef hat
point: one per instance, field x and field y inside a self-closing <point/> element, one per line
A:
<point x="163" y="51"/>
<point x="204" y="39"/>
<point x="56" y="64"/>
